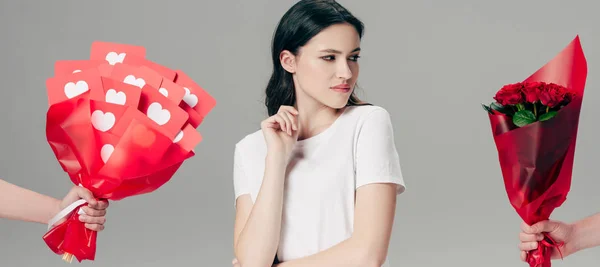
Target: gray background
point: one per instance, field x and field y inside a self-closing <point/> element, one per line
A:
<point x="430" y="64"/>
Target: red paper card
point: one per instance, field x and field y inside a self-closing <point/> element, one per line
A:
<point x="195" y="97"/>
<point x="172" y="91"/>
<point x="65" y="67"/>
<point x="164" y="71"/>
<point x="162" y="111"/>
<point x="105" y="69"/>
<point x="61" y="88"/>
<point x="114" y="53"/>
<point x="106" y="117"/>
<point x="188" y="138"/>
<point x="138" y="76"/>
<point x="120" y="93"/>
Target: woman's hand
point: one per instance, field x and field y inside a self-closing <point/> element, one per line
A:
<point x="281" y="132"/>
<point x="95" y="211"/>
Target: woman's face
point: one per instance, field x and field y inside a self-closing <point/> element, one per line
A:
<point x="326" y="68"/>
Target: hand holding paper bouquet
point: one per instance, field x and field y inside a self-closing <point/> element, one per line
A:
<point x="120" y="125"/>
<point x="534" y="124"/>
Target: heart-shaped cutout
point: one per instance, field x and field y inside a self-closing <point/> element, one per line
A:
<point x="112" y="96"/>
<point x="103" y="121"/>
<point x="158" y="114"/>
<point x="113" y="58"/>
<point x="164" y="92"/>
<point x="178" y="137"/>
<point x="74" y="89"/>
<point x="189" y="98"/>
<point x="106" y="152"/>
<point x="131" y="79"/>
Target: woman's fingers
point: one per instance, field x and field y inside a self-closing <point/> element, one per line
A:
<point x="287" y="125"/>
<point x="292" y="126"/>
<point x="290" y="109"/>
<point x="293" y="119"/>
<point x="282" y="122"/>
<point x="291" y="113"/>
<point x="285" y="119"/>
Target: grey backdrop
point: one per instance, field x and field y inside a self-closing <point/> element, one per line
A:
<point x="429" y="63"/>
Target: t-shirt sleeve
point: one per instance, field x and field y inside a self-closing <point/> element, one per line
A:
<point x="376" y="157"/>
<point x="240" y="180"/>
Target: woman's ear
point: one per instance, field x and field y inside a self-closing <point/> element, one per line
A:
<point x="288" y="61"/>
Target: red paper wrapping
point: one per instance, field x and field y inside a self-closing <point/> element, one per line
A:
<point x="537" y="159"/>
<point x="115" y="132"/>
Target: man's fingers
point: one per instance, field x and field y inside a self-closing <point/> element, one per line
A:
<point x="85" y="194"/>
<point x="101" y="204"/>
<point x="94" y="212"/>
<point x="524" y="237"/>
<point x="94" y="227"/>
<point x="540" y="227"/>
<point x="91" y="219"/>
<point x="527" y="246"/>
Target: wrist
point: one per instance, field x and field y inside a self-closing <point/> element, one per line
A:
<point x="275" y="157"/>
<point x="56" y="204"/>
<point x="49" y="210"/>
<point x="586" y="234"/>
<point x="578" y="241"/>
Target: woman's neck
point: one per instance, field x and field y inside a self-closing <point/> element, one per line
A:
<point x="315" y="118"/>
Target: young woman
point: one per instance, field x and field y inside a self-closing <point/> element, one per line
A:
<point x="317" y="185"/>
<point x="581" y="235"/>
<point x="17" y="203"/>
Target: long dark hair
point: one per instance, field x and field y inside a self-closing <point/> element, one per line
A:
<point x="298" y="25"/>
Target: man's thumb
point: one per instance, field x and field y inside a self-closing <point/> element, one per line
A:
<point x="544" y="226"/>
<point x="85" y="194"/>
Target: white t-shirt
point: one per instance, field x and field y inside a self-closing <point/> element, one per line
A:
<point x="326" y="169"/>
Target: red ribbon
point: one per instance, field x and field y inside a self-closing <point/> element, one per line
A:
<point x="541" y="257"/>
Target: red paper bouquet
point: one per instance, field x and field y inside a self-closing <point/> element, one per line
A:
<point x="120" y="125"/>
<point x="534" y="124"/>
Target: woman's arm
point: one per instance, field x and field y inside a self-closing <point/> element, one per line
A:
<point x="379" y="181"/>
<point x="17" y="203"/>
<point x="368" y="245"/>
<point x="257" y="226"/>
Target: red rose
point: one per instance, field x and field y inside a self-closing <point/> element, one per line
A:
<point x="532" y="91"/>
<point x="569" y="96"/>
<point x="510" y="94"/>
<point x="552" y="95"/>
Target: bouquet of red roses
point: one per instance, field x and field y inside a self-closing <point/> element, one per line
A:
<point x="119" y="125"/>
<point x="534" y="124"/>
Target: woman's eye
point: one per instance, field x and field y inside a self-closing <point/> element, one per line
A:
<point x="329" y="58"/>
<point x="332" y="58"/>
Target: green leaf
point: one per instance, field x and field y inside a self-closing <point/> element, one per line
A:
<point x="547" y="116"/>
<point x="488" y="109"/>
<point x="497" y="106"/>
<point x="502" y="109"/>
<point x="523" y="117"/>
